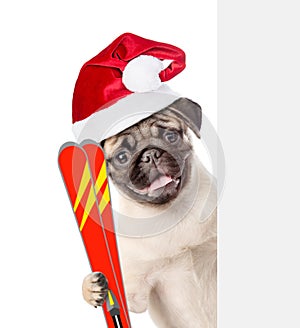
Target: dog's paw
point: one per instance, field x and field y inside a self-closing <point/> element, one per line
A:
<point x="95" y="288"/>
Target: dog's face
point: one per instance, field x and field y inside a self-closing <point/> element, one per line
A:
<point x="151" y="161"/>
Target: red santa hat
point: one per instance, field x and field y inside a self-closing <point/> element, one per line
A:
<point x="122" y="85"/>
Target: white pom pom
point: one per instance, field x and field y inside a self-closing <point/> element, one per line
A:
<point x="141" y="74"/>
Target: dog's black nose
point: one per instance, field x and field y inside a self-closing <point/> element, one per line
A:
<point x="151" y="155"/>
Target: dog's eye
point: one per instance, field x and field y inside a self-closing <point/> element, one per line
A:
<point x="122" y="157"/>
<point x="171" y="136"/>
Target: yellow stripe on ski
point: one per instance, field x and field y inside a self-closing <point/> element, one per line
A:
<point x="91" y="198"/>
<point x="89" y="204"/>
<point x="101" y="177"/>
<point x="104" y="200"/>
<point x="83" y="184"/>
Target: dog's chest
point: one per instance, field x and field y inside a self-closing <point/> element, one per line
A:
<point x="166" y="245"/>
<point x="152" y="261"/>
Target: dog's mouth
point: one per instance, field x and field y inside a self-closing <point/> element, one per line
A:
<point x="159" y="183"/>
<point x="161" y="189"/>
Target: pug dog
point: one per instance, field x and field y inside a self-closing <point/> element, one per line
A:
<point x="172" y="274"/>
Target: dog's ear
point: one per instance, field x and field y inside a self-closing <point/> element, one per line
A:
<point x="190" y="112"/>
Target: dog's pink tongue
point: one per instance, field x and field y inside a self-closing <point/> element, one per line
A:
<point x="160" y="182"/>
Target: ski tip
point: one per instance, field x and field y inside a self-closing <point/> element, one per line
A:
<point x="91" y="142"/>
<point x="88" y="142"/>
<point x="63" y="147"/>
<point x="66" y="145"/>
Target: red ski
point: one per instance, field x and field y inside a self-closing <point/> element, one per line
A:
<point x="83" y="169"/>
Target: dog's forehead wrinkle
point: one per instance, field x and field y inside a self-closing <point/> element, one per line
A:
<point x="130" y="140"/>
<point x="168" y="126"/>
<point x="168" y="121"/>
<point x="134" y="133"/>
<point x="154" y="130"/>
<point x="144" y="128"/>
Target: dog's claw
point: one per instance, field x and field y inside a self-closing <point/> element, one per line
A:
<point x="95" y="289"/>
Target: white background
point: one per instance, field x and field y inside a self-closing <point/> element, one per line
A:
<point x="43" y="46"/>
